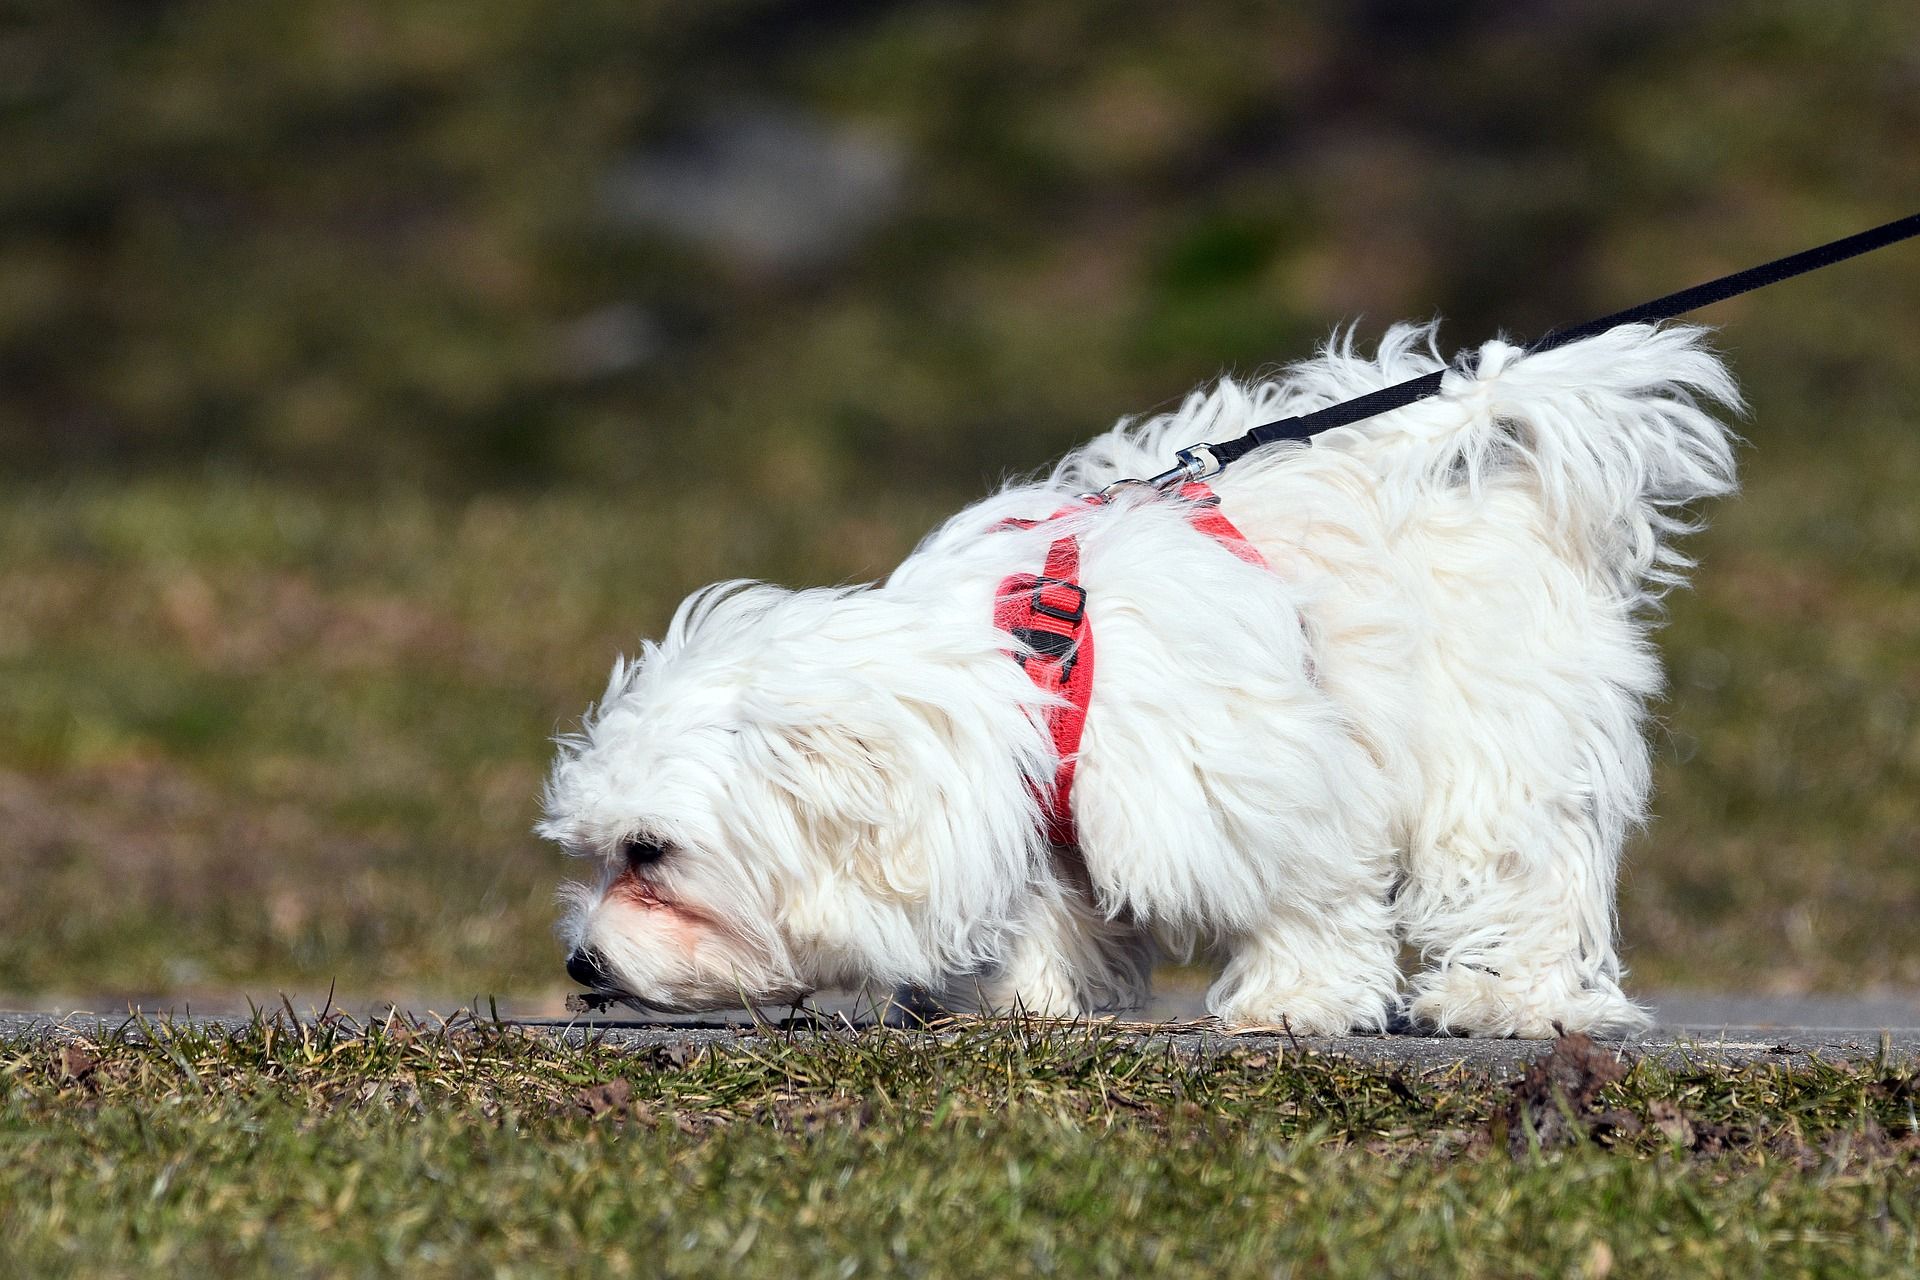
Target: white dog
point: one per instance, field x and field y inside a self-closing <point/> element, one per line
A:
<point x="1419" y="722"/>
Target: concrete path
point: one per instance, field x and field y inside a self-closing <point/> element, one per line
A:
<point x="1707" y="1027"/>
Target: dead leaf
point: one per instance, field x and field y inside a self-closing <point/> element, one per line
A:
<point x="1555" y="1099"/>
<point x="597" y="1100"/>
<point x="77" y="1062"/>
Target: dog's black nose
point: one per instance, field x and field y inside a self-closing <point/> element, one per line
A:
<point x="588" y="967"/>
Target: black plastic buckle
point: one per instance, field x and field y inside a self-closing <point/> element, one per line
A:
<point x="1040" y="605"/>
<point x="1050" y="645"/>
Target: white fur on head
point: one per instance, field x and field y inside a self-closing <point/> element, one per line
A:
<point x="839" y="780"/>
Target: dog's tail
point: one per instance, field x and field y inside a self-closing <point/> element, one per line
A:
<point x="1614" y="434"/>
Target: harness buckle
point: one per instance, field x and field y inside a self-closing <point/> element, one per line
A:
<point x="1072" y="616"/>
<point x="1049" y="646"/>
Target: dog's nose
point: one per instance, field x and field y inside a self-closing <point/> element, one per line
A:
<point x="588" y="967"/>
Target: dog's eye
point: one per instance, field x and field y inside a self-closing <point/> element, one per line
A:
<point x="640" y="851"/>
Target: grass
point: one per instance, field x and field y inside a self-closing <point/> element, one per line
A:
<point x="445" y="1148"/>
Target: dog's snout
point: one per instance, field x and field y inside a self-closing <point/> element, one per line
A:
<point x="586" y="966"/>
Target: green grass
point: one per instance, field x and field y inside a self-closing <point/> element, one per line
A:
<point x="447" y="1149"/>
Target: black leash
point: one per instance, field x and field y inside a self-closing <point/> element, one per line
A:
<point x="1198" y="462"/>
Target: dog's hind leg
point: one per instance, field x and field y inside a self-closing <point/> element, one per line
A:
<point x="1520" y="942"/>
<point x="1512" y="856"/>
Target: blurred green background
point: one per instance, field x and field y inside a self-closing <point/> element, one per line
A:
<point x="371" y="373"/>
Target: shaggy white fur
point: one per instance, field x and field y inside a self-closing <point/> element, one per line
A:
<point x="1424" y="725"/>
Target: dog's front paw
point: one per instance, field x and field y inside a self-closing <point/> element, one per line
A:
<point x="1480" y="1000"/>
<point x="1029" y="994"/>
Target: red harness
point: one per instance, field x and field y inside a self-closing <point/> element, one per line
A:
<point x="1047" y="613"/>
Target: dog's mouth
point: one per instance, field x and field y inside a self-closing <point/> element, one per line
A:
<point x="598" y="1001"/>
<point x="673" y="922"/>
<point x="646" y="895"/>
<point x="603" y="994"/>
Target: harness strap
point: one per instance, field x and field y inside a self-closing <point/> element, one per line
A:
<point x="1204" y="514"/>
<point x="1047" y="614"/>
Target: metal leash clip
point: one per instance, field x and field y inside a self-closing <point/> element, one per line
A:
<point x="1194" y="463"/>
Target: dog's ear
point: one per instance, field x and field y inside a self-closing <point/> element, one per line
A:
<point x="850" y="788"/>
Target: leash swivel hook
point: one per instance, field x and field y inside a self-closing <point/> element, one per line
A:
<point x="1192" y="464"/>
